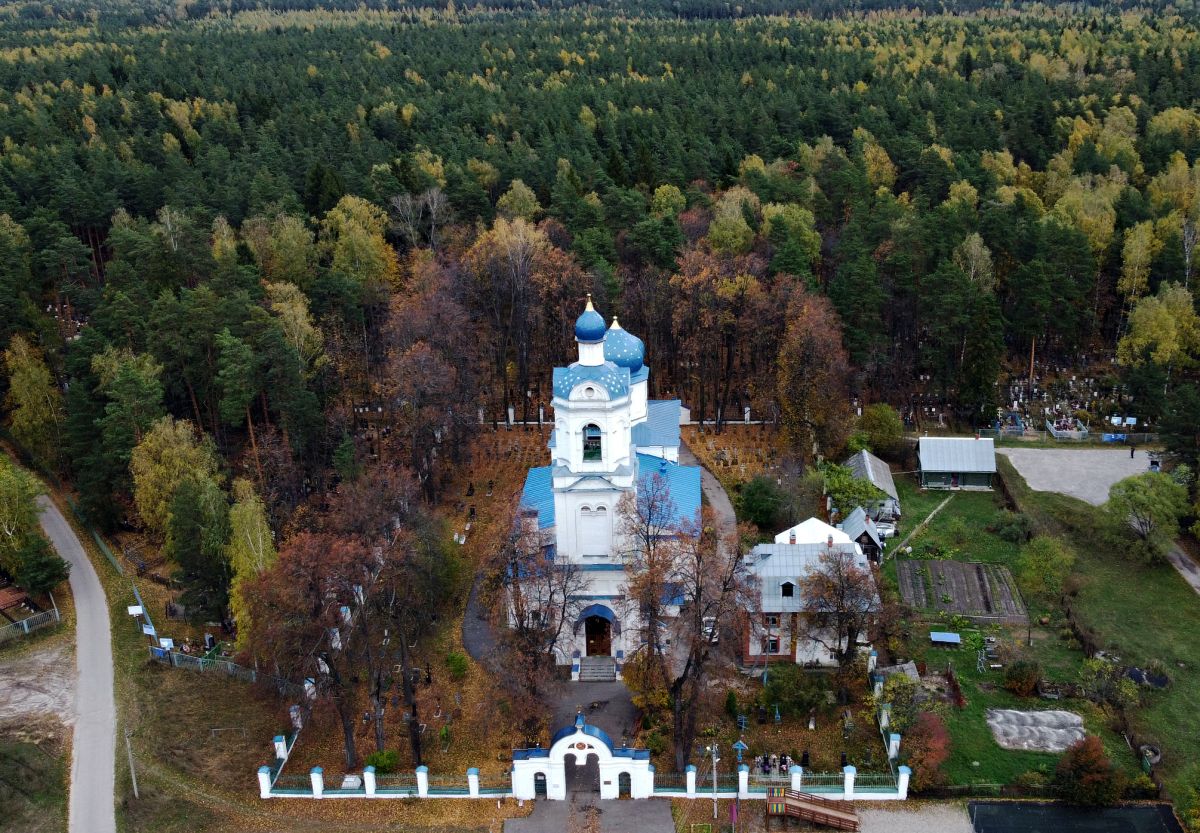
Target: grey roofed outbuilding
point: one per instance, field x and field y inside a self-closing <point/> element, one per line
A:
<point x="858" y="522"/>
<point x="957" y="454"/>
<point x="866" y="466"/>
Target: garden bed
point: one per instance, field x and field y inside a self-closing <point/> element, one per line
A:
<point x="985" y="592"/>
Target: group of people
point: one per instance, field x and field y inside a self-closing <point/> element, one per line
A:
<point x="1064" y="423"/>
<point x="775" y="764"/>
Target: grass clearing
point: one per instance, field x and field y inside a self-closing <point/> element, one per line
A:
<point x="33" y="780"/>
<point x="1140" y="612"/>
<point x="975" y="757"/>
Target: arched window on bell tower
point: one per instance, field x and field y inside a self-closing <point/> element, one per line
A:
<point x="593" y="450"/>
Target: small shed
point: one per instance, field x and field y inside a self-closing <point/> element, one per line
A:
<point x="957" y="462"/>
<point x="866" y="466"/>
<point x="944" y="639"/>
<point x="862" y="531"/>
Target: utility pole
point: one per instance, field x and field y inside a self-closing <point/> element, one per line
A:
<point x="712" y="750"/>
<point x="132" y="773"/>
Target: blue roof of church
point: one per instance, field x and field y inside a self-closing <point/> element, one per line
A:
<point x="590" y="325"/>
<point x="623" y="348"/>
<point x="683" y="483"/>
<point x="539" y="494"/>
<point x="613" y="379"/>
<point x="661" y="427"/>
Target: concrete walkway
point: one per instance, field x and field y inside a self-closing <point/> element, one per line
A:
<point x="714" y="493"/>
<point x="92" y="805"/>
<point x="1185" y="566"/>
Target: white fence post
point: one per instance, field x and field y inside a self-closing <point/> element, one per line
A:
<point x="369" y="780"/>
<point x="903" y="775"/>
<point x="797" y="774"/>
<point x="743" y="781"/>
<point x="848" y="785"/>
<point x="690" y="775"/>
<point x="318" y="781"/>
<point x="872" y="660"/>
<point x="473" y="782"/>
<point x="893" y="746"/>
<point x="281" y="750"/>
<point x="423" y="781"/>
<point x="885" y="715"/>
<point x="264" y="782"/>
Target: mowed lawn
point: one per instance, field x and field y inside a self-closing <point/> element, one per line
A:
<point x="1140" y="612"/>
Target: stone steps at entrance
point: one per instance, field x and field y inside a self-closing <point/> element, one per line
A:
<point x="597" y="669"/>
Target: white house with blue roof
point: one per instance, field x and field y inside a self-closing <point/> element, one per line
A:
<point x="609" y="438"/>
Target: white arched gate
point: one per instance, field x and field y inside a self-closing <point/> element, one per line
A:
<point x="581" y="741"/>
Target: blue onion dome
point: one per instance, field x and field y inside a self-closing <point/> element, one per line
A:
<point x="589" y="326"/>
<point x="623" y="348"/>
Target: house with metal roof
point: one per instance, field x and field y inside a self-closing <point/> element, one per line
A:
<point x="812" y="531"/>
<point x="609" y="441"/>
<point x="956" y="462"/>
<point x="781" y="630"/>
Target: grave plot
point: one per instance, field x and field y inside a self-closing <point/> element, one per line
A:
<point x="985" y="592"/>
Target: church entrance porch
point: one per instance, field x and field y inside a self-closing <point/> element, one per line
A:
<point x="598" y="635"/>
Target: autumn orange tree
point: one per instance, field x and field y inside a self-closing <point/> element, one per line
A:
<point x="297" y="624"/>
<point x="1086" y="776"/>
<point x="813" y="377"/>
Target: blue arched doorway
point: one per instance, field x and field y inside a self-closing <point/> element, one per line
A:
<point x="600" y="624"/>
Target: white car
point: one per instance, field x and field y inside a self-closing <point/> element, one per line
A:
<point x="709" y="627"/>
<point x="886" y="529"/>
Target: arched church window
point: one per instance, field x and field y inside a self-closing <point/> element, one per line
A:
<point x="591" y="443"/>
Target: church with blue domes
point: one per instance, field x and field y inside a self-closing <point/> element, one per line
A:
<point x="609" y="440"/>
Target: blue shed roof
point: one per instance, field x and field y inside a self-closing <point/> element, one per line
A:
<point x="683" y="482"/>
<point x="945" y="637"/>
<point x="613" y="379"/>
<point x="539" y="494"/>
<point x="661" y="427"/>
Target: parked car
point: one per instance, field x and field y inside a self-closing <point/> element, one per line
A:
<point x="709" y="626"/>
<point x="886" y="529"/>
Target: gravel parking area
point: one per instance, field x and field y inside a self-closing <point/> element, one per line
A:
<point x="1085" y="473"/>
<point x="916" y="818"/>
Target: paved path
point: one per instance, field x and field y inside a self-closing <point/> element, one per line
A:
<point x="714" y="493"/>
<point x="651" y="815"/>
<point x="478" y="635"/>
<point x="607" y="705"/>
<point x="1185" y="566"/>
<point x="1084" y="473"/>
<point x="92" y="808"/>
